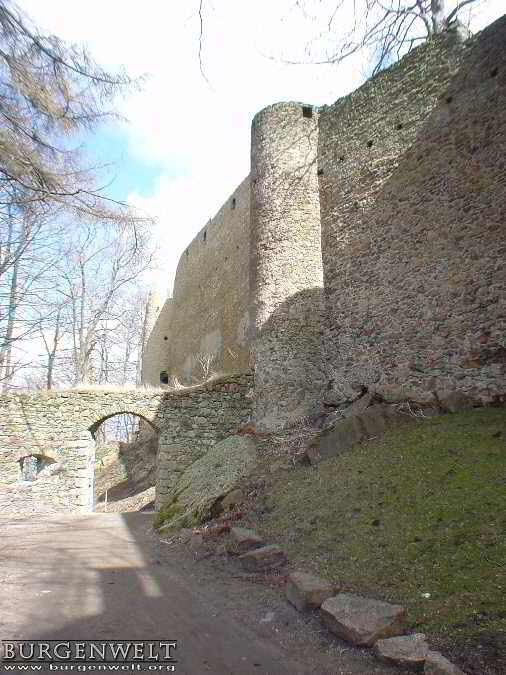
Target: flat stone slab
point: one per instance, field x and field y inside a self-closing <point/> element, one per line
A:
<point x="437" y="664"/>
<point x="408" y="651"/>
<point x="362" y="621"/>
<point x="344" y="433"/>
<point x="243" y="540"/>
<point x="306" y="591"/>
<point x="264" y="558"/>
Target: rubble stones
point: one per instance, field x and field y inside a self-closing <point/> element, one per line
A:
<point x="306" y="591"/>
<point x="408" y="651"/>
<point x="264" y="558"/>
<point x="437" y="664"/>
<point x="243" y="540"/>
<point x="362" y="621"/>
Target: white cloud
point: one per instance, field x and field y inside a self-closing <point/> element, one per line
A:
<point x="199" y="132"/>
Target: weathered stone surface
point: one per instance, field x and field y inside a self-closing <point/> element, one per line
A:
<point x="362" y="621"/>
<point x="233" y="498"/>
<point x="204" y="483"/>
<point x="306" y="591"/>
<point x="264" y="558"/>
<point x="345" y="433"/>
<point x="437" y="664"/>
<point x="408" y="651"/>
<point x="358" y="406"/>
<point x="242" y="540"/>
<point x="454" y="401"/>
<point x="341" y="437"/>
<point x="412" y="231"/>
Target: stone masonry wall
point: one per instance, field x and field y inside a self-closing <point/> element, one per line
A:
<point x="413" y="206"/>
<point x="211" y="294"/>
<point x="286" y="266"/>
<point x="155" y="355"/>
<point x="58" y="427"/>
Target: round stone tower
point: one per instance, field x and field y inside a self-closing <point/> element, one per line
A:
<point x="286" y="266"/>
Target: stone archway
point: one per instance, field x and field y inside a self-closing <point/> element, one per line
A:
<point x="125" y="462"/>
<point x="59" y="425"/>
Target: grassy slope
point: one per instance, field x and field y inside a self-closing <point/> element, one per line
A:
<point x="421" y="511"/>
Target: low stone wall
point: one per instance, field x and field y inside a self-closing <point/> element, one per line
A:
<point x="57" y="429"/>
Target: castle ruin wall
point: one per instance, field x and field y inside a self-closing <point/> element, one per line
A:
<point x="413" y="208"/>
<point x="211" y="295"/>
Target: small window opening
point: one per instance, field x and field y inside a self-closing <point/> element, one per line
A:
<point x="204" y="236"/>
<point x="320" y="172"/>
<point x="341" y="158"/>
<point x="399" y="126"/>
<point x="30" y="467"/>
<point x="164" y="377"/>
<point x="307" y="111"/>
<point x="165" y="337"/>
<point x="369" y="144"/>
<point x="233" y="203"/>
<point x="494" y="71"/>
<point x="449" y="99"/>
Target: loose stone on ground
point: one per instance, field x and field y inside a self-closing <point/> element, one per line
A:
<point x="306" y="591"/>
<point x="265" y="558"/>
<point x="243" y="540"/>
<point x="362" y="621"/>
<point x="437" y="664"/>
<point x="409" y="651"/>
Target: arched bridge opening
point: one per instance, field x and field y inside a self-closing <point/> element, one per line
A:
<point x="48" y="439"/>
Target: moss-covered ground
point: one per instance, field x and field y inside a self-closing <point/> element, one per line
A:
<point x="417" y="517"/>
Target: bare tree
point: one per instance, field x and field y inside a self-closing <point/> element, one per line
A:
<point x="49" y="92"/>
<point x="383" y="30"/>
<point x="101" y="266"/>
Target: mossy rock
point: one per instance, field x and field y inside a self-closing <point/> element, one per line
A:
<point x="207" y="481"/>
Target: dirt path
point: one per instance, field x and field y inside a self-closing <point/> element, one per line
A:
<point x="107" y="577"/>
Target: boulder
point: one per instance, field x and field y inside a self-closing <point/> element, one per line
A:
<point x="437" y="664"/>
<point x="362" y="621"/>
<point x="264" y="558"/>
<point x="205" y="482"/>
<point x="347" y="432"/>
<point x="306" y="591"/>
<point x="408" y="651"/>
<point x="454" y="401"/>
<point x="243" y="540"/>
<point x="232" y="499"/>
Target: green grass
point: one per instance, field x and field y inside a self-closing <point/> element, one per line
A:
<point x="422" y="510"/>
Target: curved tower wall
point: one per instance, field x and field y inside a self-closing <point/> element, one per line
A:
<point x="286" y="267"/>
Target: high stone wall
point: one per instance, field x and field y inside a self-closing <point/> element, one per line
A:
<point x="211" y="294"/>
<point x="57" y="428"/>
<point x="413" y="206"/>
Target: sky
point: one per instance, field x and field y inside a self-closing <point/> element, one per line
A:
<point x="186" y="144"/>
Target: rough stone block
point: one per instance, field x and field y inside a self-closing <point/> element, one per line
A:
<point x="362" y="621"/>
<point x="454" y="401"/>
<point x="408" y="651"/>
<point x="243" y="540"/>
<point x="233" y="498"/>
<point x="306" y="591"/>
<point x="341" y="437"/>
<point x="437" y="664"/>
<point x="264" y="558"/>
